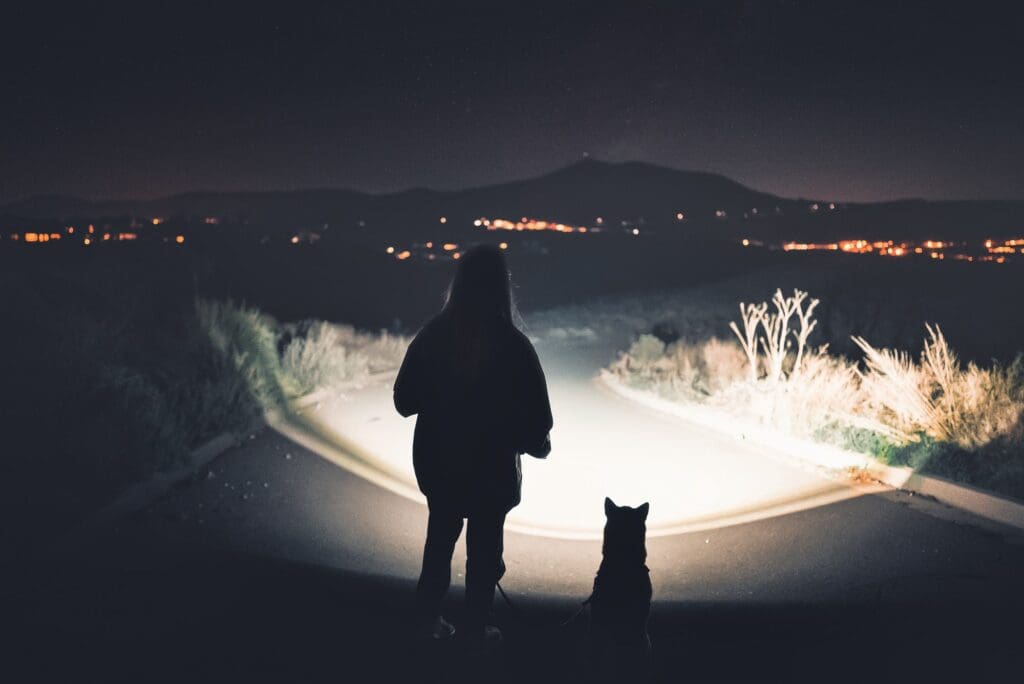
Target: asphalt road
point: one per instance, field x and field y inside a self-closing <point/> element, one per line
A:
<point x="277" y="564"/>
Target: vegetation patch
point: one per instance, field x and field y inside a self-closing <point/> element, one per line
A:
<point x="111" y="376"/>
<point x="932" y="413"/>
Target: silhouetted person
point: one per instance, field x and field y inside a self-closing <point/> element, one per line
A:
<point x="477" y="386"/>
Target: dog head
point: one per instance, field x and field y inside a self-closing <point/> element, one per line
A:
<point x="625" y="531"/>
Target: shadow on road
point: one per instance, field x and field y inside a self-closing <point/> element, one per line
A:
<point x="186" y="612"/>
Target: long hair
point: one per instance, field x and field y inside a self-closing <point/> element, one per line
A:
<point x="480" y="306"/>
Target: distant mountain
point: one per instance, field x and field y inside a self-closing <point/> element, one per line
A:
<point x="629" y="191"/>
<point x="578" y="192"/>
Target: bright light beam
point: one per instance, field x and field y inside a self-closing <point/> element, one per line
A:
<point x="604" y="445"/>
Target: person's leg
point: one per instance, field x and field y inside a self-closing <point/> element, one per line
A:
<point x="443" y="530"/>
<point x="484" y="566"/>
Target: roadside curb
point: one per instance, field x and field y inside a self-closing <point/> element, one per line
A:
<point x="137" y="496"/>
<point x="140" y="494"/>
<point x="965" y="497"/>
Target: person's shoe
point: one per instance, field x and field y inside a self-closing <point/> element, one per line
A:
<point x="437" y="629"/>
<point x="485" y="640"/>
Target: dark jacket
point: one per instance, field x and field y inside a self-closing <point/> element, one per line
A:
<point x="471" y="430"/>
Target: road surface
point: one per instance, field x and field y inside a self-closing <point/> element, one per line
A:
<point x="278" y="564"/>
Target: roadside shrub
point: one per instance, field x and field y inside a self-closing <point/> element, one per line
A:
<point x="249" y="339"/>
<point x="279" y="362"/>
<point x="327" y="355"/>
<point x="901" y="410"/>
<point x="969" y="406"/>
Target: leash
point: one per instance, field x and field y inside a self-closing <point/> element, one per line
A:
<point x="522" y="617"/>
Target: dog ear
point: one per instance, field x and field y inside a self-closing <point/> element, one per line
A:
<point x="644" y="508"/>
<point x="609" y="506"/>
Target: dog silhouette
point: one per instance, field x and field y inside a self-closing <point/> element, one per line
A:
<point x="619" y="647"/>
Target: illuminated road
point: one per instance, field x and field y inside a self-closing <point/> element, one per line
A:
<point x="276" y="561"/>
<point x="604" y="445"/>
<point x="730" y="521"/>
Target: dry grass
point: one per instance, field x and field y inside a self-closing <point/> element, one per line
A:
<point x="773" y="376"/>
<point x="329" y="355"/>
<point x="968" y="406"/>
<point x="280" y="362"/>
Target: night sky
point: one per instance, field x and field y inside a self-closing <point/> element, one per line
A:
<point x="866" y="102"/>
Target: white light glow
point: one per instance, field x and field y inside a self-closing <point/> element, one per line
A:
<point x="694" y="477"/>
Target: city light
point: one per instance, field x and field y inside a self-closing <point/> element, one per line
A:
<point x="529" y="224"/>
<point x="934" y="249"/>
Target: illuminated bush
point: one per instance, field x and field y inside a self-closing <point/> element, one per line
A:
<point x="938" y="397"/>
<point x="248" y="338"/>
<point x="330" y="355"/>
<point x="279" y="362"/>
<point x="771" y="375"/>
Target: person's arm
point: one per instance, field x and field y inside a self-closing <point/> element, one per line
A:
<point x="538" y="419"/>
<point x="408" y="390"/>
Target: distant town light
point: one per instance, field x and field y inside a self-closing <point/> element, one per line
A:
<point x="71" y="230"/>
<point x="157" y="220"/>
<point x="680" y="216"/>
<point x="86" y="242"/>
<point x="636" y="231"/>
<point x="456" y="256"/>
<point x="503" y="245"/>
<point x="390" y="250"/>
<point x="295" y="239"/>
<point x="31" y="237"/>
<point x="444" y="219"/>
<point x="92" y="229"/>
<point x="449" y="246"/>
<point x="430" y="245"/>
<point x="478" y="223"/>
<point x="599" y="220"/>
<point x="180" y="239"/>
<point x="746" y="242"/>
<point x="403" y="255"/>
